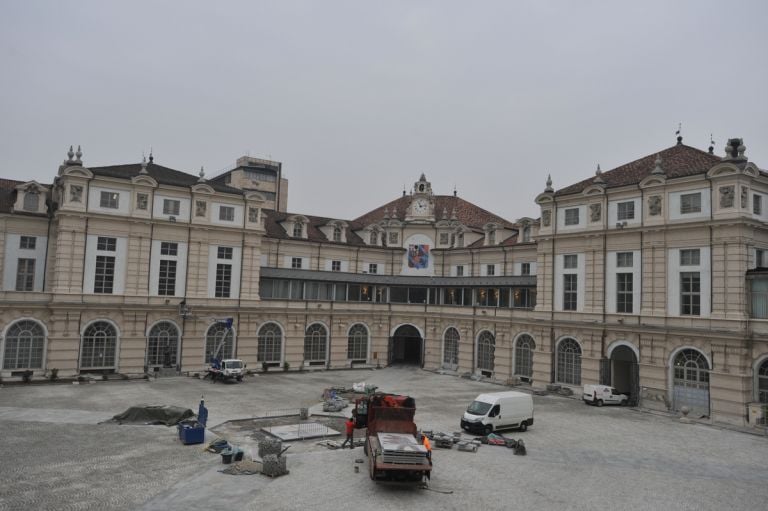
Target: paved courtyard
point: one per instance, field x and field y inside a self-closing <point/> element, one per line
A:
<point x="55" y="455"/>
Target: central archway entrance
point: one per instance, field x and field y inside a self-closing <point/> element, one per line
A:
<point x="406" y="346"/>
<point x="625" y="373"/>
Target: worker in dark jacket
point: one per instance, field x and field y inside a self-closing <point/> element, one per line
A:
<point x="350" y="426"/>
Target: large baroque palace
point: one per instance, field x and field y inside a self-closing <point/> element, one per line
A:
<point x="649" y="277"/>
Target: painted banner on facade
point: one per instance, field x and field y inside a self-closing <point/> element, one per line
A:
<point x="418" y="256"/>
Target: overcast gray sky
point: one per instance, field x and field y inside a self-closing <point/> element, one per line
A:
<point x="357" y="98"/>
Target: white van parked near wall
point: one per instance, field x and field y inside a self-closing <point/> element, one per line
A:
<point x="603" y="395"/>
<point x="498" y="410"/>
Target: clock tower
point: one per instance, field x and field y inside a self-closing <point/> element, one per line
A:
<point x="422" y="206"/>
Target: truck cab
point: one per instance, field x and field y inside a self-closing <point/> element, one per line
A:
<point x="227" y="369"/>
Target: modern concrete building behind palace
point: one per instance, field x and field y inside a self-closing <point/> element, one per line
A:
<point x="649" y="277"/>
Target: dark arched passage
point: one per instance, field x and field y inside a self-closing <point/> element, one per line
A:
<point x="406" y="346"/>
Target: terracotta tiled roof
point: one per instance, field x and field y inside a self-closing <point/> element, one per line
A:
<point x="677" y="161"/>
<point x="162" y="175"/>
<point x="466" y="212"/>
<point x="275" y="230"/>
<point x="8" y="194"/>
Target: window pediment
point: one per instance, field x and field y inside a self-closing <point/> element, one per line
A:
<point x="144" y="180"/>
<point x="77" y="171"/>
<point x="202" y="188"/>
<point x="594" y="190"/>
<point x="651" y="181"/>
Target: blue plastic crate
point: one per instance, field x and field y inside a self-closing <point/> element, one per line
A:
<point x="191" y="434"/>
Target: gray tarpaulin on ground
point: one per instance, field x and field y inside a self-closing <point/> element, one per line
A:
<point x="153" y="414"/>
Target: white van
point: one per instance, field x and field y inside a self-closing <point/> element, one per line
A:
<point x="603" y="395"/>
<point x="499" y="410"/>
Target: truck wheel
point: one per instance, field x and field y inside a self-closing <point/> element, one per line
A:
<point x="623" y="402"/>
<point x="239" y="378"/>
<point x="365" y="447"/>
<point x="523" y="426"/>
<point x="599" y="402"/>
<point x="488" y="430"/>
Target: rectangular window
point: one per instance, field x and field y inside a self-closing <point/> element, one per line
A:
<point x="624" y="293"/>
<point x="223" y="280"/>
<point x="757" y="204"/>
<point x="393" y="238"/>
<point x="492" y="238"/>
<point x="525" y="268"/>
<point x="690" y="293"/>
<point x="171" y="207"/>
<point x="625" y="210"/>
<point x="690" y="203"/>
<point x="226" y="213"/>
<point x="109" y="200"/>
<point x="296" y="263"/>
<point x="28" y="242"/>
<point x="224" y="252"/>
<point x="624" y="260"/>
<point x="142" y="199"/>
<point x="373" y="268"/>
<point x="106" y="244"/>
<point x="490" y="270"/>
<point x="169" y="249"/>
<point x="523" y="298"/>
<point x="572" y="216"/>
<point x="444" y="238"/>
<point x="335" y="265"/>
<point x="167" y="283"/>
<point x="105" y="275"/>
<point x="759" y="258"/>
<point x="690" y="257"/>
<point x="570" y="291"/>
<point x="570" y="261"/>
<point x="460" y="271"/>
<point x="25" y="275"/>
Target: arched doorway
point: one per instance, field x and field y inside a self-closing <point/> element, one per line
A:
<point x="406" y="346"/>
<point x="690" y="382"/>
<point x="624" y="372"/>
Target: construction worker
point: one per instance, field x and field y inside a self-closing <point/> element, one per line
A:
<point x="350" y="427"/>
<point x="428" y="445"/>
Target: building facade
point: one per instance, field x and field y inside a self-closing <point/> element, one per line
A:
<point x="646" y="277"/>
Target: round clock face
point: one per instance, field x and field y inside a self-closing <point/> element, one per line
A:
<point x="420" y="206"/>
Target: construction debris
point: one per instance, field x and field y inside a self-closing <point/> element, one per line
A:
<point x="273" y="465"/>
<point x="520" y="449"/>
<point x="270" y="446"/>
<point x="243" y="468"/>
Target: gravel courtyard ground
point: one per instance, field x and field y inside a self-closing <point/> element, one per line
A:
<point x="55" y="455"/>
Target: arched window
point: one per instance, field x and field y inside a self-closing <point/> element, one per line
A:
<point x="24" y="344"/>
<point x="163" y="345"/>
<point x="691" y="368"/>
<point x="31" y="201"/>
<point x="524" y="355"/>
<point x="568" y="369"/>
<point x="486" y="346"/>
<point x="315" y="342"/>
<point x="492" y="237"/>
<point x="99" y="346"/>
<point x="451" y="347"/>
<point x="337" y="233"/>
<point x="219" y="342"/>
<point x="270" y="343"/>
<point x="526" y="233"/>
<point x="298" y="229"/>
<point x="374" y="238"/>
<point x="357" y="343"/>
<point x="762" y="382"/>
<point x="460" y="240"/>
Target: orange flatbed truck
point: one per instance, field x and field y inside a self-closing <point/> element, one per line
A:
<point x="393" y="449"/>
